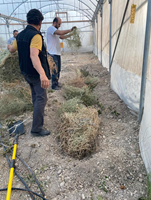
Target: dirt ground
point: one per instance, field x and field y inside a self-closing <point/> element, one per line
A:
<point x="115" y="172"/>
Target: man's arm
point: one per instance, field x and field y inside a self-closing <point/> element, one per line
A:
<point x="65" y="36"/>
<point x="61" y="32"/>
<point x="37" y="65"/>
<point x="11" y="48"/>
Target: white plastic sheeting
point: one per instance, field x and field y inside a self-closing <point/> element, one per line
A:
<point x="127" y="65"/>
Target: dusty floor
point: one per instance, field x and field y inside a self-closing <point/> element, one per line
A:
<point x="117" y="161"/>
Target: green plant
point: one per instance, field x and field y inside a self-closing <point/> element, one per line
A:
<point x="91" y="82"/>
<point x="101" y="106"/>
<point x="99" y="112"/>
<point x="115" y="113"/>
<point x="99" y="197"/>
<point x="84" y="72"/>
<point x="15" y="101"/>
<point x="74" y="42"/>
<point x="83" y="94"/>
<point x="71" y="105"/>
<point x="102" y="185"/>
<point x="149" y="185"/>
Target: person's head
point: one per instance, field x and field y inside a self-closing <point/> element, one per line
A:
<point x="57" y="22"/>
<point x="15" y="33"/>
<point x="35" y="18"/>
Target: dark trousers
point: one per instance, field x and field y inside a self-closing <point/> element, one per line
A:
<point x="56" y="75"/>
<point x="39" y="99"/>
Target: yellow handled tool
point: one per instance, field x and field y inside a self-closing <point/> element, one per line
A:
<point x="9" y="189"/>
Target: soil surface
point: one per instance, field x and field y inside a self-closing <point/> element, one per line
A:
<point x="115" y="172"/>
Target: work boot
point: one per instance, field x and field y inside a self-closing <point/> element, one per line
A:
<point x="57" y="88"/>
<point x="42" y="133"/>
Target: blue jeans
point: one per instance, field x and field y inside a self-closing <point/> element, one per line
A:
<point x="56" y="75"/>
<point x="39" y="100"/>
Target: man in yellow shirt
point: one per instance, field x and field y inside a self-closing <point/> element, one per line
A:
<point x="34" y="67"/>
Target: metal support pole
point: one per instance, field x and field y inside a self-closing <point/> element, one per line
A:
<point x="101" y="15"/>
<point x="110" y="36"/>
<point x="97" y="34"/>
<point x="7" y="24"/>
<point x="93" y="37"/>
<point x="145" y="60"/>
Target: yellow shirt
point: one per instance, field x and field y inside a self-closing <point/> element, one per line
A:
<point x="36" y="42"/>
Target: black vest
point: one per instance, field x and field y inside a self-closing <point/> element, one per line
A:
<point x="23" y="44"/>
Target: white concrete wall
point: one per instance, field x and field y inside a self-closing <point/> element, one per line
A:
<point x="127" y="65"/>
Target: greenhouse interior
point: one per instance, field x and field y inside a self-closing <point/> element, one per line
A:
<point x="79" y="73"/>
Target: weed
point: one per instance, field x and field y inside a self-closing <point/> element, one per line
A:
<point x="84" y="72"/>
<point x="43" y="168"/>
<point x="74" y="42"/>
<point x="99" y="112"/>
<point x="101" y="106"/>
<point x="149" y="186"/>
<point x="71" y="105"/>
<point x="115" y="113"/>
<point x="15" y="101"/>
<point x="102" y="185"/>
<point x="110" y="108"/>
<point x="99" y="197"/>
<point x="29" y="179"/>
<point x="91" y="82"/>
<point x="83" y="94"/>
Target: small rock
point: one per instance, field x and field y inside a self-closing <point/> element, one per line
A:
<point x="62" y="184"/>
<point x="33" y="145"/>
<point x="83" y="197"/>
<point x="47" y="148"/>
<point x="122" y="187"/>
<point x="140" y="180"/>
<point x="59" y="172"/>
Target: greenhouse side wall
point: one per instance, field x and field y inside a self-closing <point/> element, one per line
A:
<point x="127" y="65"/>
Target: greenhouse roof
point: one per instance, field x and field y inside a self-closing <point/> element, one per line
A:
<point x="69" y="10"/>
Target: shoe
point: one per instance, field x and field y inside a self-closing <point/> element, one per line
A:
<point x="42" y="133"/>
<point x="59" y="85"/>
<point x="56" y="88"/>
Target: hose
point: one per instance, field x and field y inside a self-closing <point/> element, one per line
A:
<point x="32" y="174"/>
<point x="21" y="179"/>
<point x="21" y="189"/>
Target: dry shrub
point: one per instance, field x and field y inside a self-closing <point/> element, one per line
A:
<point x="3" y="55"/>
<point x="78" y="82"/>
<point x="71" y="105"/>
<point x="91" y="81"/>
<point x="83" y="94"/>
<point x="84" y="72"/>
<point x="78" y="132"/>
<point x="74" y="42"/>
<point x="16" y="101"/>
<point x="52" y="64"/>
<point x="9" y="68"/>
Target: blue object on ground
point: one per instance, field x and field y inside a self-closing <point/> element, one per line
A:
<point x="19" y="130"/>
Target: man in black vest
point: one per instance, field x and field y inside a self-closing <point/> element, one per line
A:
<point x="34" y="67"/>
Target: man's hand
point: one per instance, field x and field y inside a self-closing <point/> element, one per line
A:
<point x="37" y="65"/>
<point x="74" y="27"/>
<point x="44" y="81"/>
<point x="11" y="48"/>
